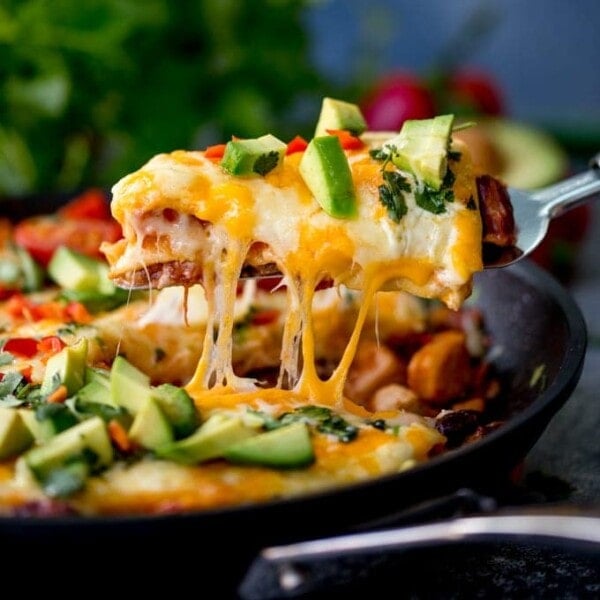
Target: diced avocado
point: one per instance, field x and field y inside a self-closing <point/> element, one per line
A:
<point x="421" y="148"/>
<point x="151" y="428"/>
<point x="88" y="438"/>
<point x="326" y="172"/>
<point x="35" y="427"/>
<point x="337" y="114"/>
<point x="287" y="447"/>
<point x="129" y="387"/>
<point x="98" y="375"/>
<point x="52" y="419"/>
<point x="96" y="391"/>
<point x="178" y="407"/>
<point x="66" y="368"/>
<point x="15" y="436"/>
<point x="95" y="398"/>
<point x="256" y="156"/>
<point x="210" y="441"/>
<point x="74" y="271"/>
<point x="33" y="274"/>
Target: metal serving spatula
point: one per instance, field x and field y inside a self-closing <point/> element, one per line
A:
<point x="533" y="211"/>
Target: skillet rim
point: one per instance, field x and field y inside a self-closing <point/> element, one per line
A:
<point x="544" y="405"/>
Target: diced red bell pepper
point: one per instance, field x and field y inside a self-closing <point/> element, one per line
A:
<point x="50" y="344"/>
<point x="24" y="347"/>
<point x="298" y="144"/>
<point x="216" y="151"/>
<point x="347" y="140"/>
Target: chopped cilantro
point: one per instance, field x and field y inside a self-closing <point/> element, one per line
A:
<point x="9" y="383"/>
<point x="378" y="154"/>
<point x="65" y="481"/>
<point x="320" y="417"/>
<point x="6" y="358"/>
<point x="266" y="163"/>
<point x="105" y="411"/>
<point x="391" y="194"/>
<point x="434" y="201"/>
<point x="10" y="401"/>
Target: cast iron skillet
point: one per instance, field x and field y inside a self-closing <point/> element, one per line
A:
<point x="536" y="327"/>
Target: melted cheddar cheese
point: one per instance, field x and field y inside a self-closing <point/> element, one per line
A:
<point x="184" y="208"/>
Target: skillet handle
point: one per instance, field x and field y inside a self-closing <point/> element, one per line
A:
<point x="295" y="570"/>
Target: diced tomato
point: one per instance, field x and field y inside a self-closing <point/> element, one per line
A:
<point x="347" y="140"/>
<point x="298" y="144"/>
<point x="26" y="373"/>
<point x="24" y="347"/>
<point x="478" y="91"/>
<point x="216" y="151"/>
<point x="91" y="204"/>
<point x="41" y="236"/>
<point x="77" y="312"/>
<point x="20" y="307"/>
<point x="50" y="344"/>
<point x="265" y="317"/>
<point x="6" y="293"/>
<point x="396" y="98"/>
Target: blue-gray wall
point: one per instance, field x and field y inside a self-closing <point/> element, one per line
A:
<point x="544" y="53"/>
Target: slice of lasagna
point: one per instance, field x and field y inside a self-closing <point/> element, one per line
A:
<point x="355" y="211"/>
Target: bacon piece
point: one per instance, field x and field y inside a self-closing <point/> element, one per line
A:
<point x="496" y="212"/>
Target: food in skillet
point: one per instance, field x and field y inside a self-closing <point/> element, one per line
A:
<point x="219" y="394"/>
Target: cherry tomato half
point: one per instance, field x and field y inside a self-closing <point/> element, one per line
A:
<point x="91" y="204"/>
<point x="41" y="236"/>
<point x="395" y="99"/>
<point x="478" y="91"/>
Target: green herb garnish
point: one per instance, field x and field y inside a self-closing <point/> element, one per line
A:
<point x="320" y="417"/>
<point x="434" y="201"/>
<point x="391" y="194"/>
<point x="266" y="163"/>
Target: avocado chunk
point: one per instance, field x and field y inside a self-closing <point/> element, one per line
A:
<point x="337" y="114"/>
<point x="33" y="274"/>
<point x="210" y="441"/>
<point x="422" y="147"/>
<point x="96" y="388"/>
<point x="75" y="271"/>
<point x="178" y="407"/>
<point x="256" y="156"/>
<point x="15" y="436"/>
<point x="150" y="428"/>
<point x="88" y="441"/>
<point x="35" y="427"/>
<point x="287" y="447"/>
<point x="66" y="368"/>
<point x="129" y="387"/>
<point x="326" y="172"/>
